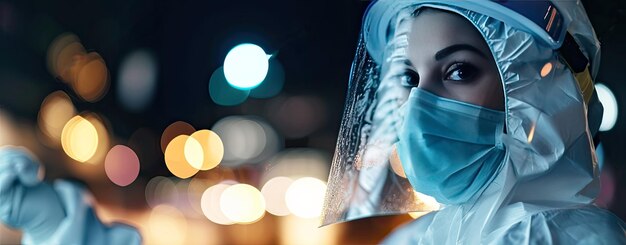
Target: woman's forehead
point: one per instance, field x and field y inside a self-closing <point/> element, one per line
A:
<point x="432" y="30"/>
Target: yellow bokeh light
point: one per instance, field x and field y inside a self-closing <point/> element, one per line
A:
<point x="79" y="139"/>
<point x="242" y="203"/>
<point x="295" y="230"/>
<point x="211" y="146"/>
<point x="210" y="204"/>
<point x="305" y="197"/>
<point x="194" y="153"/>
<point x="168" y="224"/>
<point x="175" y="158"/>
<point x="104" y="143"/>
<point x="274" y="193"/>
<point x="56" y="110"/>
<point x="92" y="77"/>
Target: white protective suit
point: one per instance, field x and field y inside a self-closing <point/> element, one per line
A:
<point x="543" y="190"/>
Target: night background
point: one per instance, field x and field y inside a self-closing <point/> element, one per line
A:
<point x="181" y="44"/>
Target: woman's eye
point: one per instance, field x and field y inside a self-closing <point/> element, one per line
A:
<point x="461" y="72"/>
<point x="410" y="79"/>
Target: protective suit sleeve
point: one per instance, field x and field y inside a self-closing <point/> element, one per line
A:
<point x="50" y="214"/>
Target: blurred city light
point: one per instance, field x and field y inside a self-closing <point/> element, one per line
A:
<point x="274" y="193"/>
<point x="79" y="139"/>
<point x="222" y="93"/>
<point x="305" y="197"/>
<point x="301" y="231"/>
<point x="242" y="203"/>
<point x="246" y="66"/>
<point x="273" y="83"/>
<point x="153" y="197"/>
<point x="609" y="103"/>
<point x="137" y="80"/>
<point x="92" y="77"/>
<point x="211" y="148"/>
<point x="168" y="224"/>
<point x="175" y="129"/>
<point x="246" y="140"/>
<point x="121" y="165"/>
<point x="175" y="158"/>
<point x="56" y="110"/>
<point x="210" y="203"/>
<point x="296" y="163"/>
<point x="194" y="155"/>
<point x="62" y="53"/>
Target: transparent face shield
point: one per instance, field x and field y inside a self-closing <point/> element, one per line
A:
<point x="366" y="179"/>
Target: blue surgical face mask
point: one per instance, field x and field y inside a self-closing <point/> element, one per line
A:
<point x="449" y="150"/>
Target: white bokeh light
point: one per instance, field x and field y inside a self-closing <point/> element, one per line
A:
<point x="610" y="107"/>
<point x="305" y="197"/>
<point x="246" y="66"/>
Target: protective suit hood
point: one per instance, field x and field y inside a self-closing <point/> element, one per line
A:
<point x="551" y="115"/>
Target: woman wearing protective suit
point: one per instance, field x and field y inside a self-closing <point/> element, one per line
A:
<point x="486" y="106"/>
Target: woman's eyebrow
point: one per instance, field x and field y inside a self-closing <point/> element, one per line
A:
<point x="457" y="47"/>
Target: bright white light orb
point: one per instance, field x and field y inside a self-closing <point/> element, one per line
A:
<point x="246" y="66"/>
<point x="305" y="197"/>
<point x="610" y="107"/>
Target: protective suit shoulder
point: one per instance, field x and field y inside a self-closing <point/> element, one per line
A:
<point x="587" y="225"/>
<point x="409" y="233"/>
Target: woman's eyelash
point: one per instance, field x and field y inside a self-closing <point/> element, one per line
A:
<point x="461" y="71"/>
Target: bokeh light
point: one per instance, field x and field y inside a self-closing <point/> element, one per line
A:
<point x="92" y="77"/>
<point x="210" y="203"/>
<point x="137" y="80"/>
<point x="242" y="203"/>
<point x="56" y="110"/>
<point x="194" y="155"/>
<point x="104" y="141"/>
<point x="212" y="148"/>
<point x="274" y="193"/>
<point x="62" y="53"/>
<point x="246" y="140"/>
<point x="79" y="139"/>
<point x="168" y="224"/>
<point x="222" y="93"/>
<point x="296" y="230"/>
<point x="273" y="83"/>
<point x="606" y="97"/>
<point x="298" y="116"/>
<point x="121" y="165"/>
<point x="175" y="129"/>
<point x="296" y="163"/>
<point x="246" y="66"/>
<point x="305" y="197"/>
<point x="175" y="159"/>
<point x="153" y="197"/>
